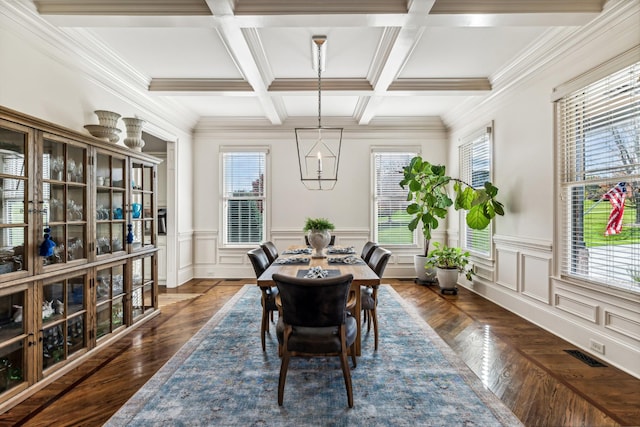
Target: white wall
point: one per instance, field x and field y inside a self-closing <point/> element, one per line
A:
<point x="524" y="277"/>
<point x="44" y="75"/>
<point x="348" y="205"/>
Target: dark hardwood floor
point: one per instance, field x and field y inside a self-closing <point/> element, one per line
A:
<point x="522" y="364"/>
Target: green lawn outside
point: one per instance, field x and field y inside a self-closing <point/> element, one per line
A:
<point x="595" y="224"/>
<point x="393" y="229"/>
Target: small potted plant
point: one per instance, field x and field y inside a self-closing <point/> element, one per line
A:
<point x="448" y="262"/>
<point x="319" y="235"/>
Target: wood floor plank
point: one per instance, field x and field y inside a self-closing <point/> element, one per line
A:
<point x="522" y="364"/>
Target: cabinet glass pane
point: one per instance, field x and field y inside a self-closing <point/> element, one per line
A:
<point x="137" y="302"/>
<point x="75" y="204"/>
<point x="117" y="236"/>
<point x="11" y="365"/>
<point x="118" y="281"/>
<point x="11" y="255"/>
<point x="117" y="173"/>
<point x="103" y="285"/>
<point x="75" y="295"/>
<point x="103" y="238"/>
<point x="57" y="235"/>
<point x="117" y="313"/>
<point x="13" y="200"/>
<point x="11" y="311"/>
<point x="12" y="204"/>
<point x="53" y="299"/>
<point x="75" y="164"/>
<point x="137" y="273"/>
<point x="76" y="242"/>
<point x="147" y="271"/>
<point x="54" y="204"/>
<point x="75" y="334"/>
<point x="52" y="345"/>
<point x="103" y="320"/>
<point x="148" y="296"/>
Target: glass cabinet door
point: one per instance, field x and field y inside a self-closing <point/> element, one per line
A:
<point x="109" y="300"/>
<point x="64" y="193"/>
<point x="110" y="204"/>
<point x="143" y="292"/>
<point x="142" y="205"/>
<point x="13" y="339"/>
<point x="14" y="196"/>
<point x="64" y="316"/>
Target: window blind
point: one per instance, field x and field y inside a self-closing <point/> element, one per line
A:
<point x="390" y="200"/>
<point x="599" y="152"/>
<point x="475" y="169"/>
<point x="244" y="197"/>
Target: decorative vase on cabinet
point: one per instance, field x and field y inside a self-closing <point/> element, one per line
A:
<point x="134" y="133"/>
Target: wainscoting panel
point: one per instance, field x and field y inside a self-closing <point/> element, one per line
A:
<point x="206" y="248"/>
<point x="535" y="274"/>
<point x="623" y="322"/>
<point x="507" y="268"/>
<point x="577" y="305"/>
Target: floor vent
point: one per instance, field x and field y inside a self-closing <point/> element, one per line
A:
<point x="586" y="358"/>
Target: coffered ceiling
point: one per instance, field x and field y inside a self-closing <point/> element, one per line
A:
<point x="253" y="58"/>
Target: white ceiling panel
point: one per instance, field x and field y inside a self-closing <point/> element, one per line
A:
<point x="171" y="52"/>
<point x="348" y="53"/>
<point x="335" y="106"/>
<point x="212" y="106"/>
<point x="412" y="106"/>
<point x="467" y="51"/>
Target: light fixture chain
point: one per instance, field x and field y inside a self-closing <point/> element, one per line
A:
<point x="319" y="88"/>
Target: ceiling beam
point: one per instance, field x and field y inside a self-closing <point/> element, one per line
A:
<point x="199" y="85"/>
<point x="306" y="7"/>
<point x="122" y="7"/>
<point x="519" y="6"/>
<point x="441" y="84"/>
<point x="308" y="85"/>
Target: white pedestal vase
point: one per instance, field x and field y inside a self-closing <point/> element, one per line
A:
<point x="134" y="133"/>
<point x="424" y="276"/>
<point x="318" y="240"/>
<point x="447" y="279"/>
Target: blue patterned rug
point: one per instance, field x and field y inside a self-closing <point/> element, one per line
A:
<point x="221" y="377"/>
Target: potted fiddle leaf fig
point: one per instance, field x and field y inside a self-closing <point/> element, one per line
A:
<point x="448" y="262"/>
<point x="428" y="192"/>
<point x="319" y="235"/>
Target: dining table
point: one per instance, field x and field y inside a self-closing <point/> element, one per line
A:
<point x="297" y="261"/>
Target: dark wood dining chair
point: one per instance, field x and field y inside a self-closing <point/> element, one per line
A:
<point x="315" y="321"/>
<point x="367" y="250"/>
<point x="369" y="294"/>
<point x="270" y="249"/>
<point x="260" y="263"/>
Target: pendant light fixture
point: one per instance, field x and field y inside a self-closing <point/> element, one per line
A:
<point x="319" y="147"/>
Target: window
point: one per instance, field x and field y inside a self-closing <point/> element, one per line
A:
<point x="475" y="169"/>
<point x="244" y="199"/>
<point x="390" y="200"/>
<point x="599" y="153"/>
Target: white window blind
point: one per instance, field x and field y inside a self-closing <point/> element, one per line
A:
<point x="390" y="200"/>
<point x="599" y="153"/>
<point x="244" y="197"/>
<point x="475" y="170"/>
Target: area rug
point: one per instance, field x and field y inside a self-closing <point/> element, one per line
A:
<point x="221" y="377"/>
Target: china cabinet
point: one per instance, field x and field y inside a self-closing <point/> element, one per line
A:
<point x="78" y="249"/>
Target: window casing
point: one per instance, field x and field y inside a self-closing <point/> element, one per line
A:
<point x="599" y="180"/>
<point x="475" y="169"/>
<point x="390" y="200"/>
<point x="244" y="197"/>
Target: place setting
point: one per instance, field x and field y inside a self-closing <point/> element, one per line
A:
<point x="350" y="260"/>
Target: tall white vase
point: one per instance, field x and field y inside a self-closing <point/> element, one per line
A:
<point x="318" y="240"/>
<point x="134" y="133"/>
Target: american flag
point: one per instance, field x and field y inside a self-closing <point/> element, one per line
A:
<point x="616" y="197"/>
